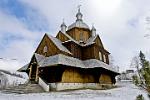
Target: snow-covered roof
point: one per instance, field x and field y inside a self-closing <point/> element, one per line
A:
<point x="98" y="63"/>
<point x="91" y="39"/>
<point x="88" y="42"/>
<point x="58" y="43"/>
<point x="39" y="57"/>
<point x="1" y="74"/>
<point x="70" y="38"/>
<point x="24" y="68"/>
<point x="79" y="24"/>
<point x="74" y="62"/>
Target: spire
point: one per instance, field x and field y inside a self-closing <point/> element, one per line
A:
<point x="79" y="14"/>
<point x="63" y="27"/>
<point x="93" y="31"/>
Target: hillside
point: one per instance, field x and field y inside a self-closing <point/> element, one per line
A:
<point x="13" y="79"/>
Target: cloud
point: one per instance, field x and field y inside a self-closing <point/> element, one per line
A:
<point x="17" y="40"/>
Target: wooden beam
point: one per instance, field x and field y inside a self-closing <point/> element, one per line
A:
<point x="30" y="72"/>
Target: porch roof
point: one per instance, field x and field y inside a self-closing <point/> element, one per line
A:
<point x="61" y="59"/>
<point x="74" y="62"/>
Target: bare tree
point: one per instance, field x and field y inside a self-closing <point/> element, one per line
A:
<point x="135" y="63"/>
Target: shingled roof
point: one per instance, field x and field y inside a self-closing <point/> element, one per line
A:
<point x="61" y="59"/>
<point x="87" y="43"/>
<point x="74" y="62"/>
<point x="24" y="68"/>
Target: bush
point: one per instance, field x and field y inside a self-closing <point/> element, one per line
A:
<point x="135" y="80"/>
<point x="140" y="97"/>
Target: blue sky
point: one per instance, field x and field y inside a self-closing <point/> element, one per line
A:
<point x="120" y="24"/>
<point x="25" y="14"/>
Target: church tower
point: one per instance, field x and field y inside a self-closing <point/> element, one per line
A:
<point x="79" y="30"/>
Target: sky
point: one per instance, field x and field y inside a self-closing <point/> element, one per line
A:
<point x="123" y="25"/>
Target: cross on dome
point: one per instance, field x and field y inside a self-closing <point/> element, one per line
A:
<point x="79" y="14"/>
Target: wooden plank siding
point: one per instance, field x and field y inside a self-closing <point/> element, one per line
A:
<point x="75" y="33"/>
<point x="66" y="74"/>
<point x="51" y="48"/>
<point x="84" y="53"/>
<point x="61" y="37"/>
<point x="88" y="53"/>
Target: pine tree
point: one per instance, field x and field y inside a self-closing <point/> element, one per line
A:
<point x="146" y="74"/>
<point x="145" y="70"/>
<point x="142" y="58"/>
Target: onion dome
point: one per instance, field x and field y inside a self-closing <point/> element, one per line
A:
<point x="63" y="27"/>
<point x="79" y="22"/>
<point x="93" y="31"/>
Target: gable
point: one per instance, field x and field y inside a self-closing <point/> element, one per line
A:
<point x="27" y="67"/>
<point x="51" y="47"/>
<point x="98" y="42"/>
<point x="62" y="37"/>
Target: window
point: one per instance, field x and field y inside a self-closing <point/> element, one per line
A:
<point x="100" y="56"/>
<point x="81" y="36"/>
<point x="104" y="56"/>
<point x="45" y="49"/>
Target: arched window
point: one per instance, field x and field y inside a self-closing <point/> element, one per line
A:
<point x="81" y="36"/>
<point x="45" y="50"/>
<point x="104" y="56"/>
<point x="100" y="56"/>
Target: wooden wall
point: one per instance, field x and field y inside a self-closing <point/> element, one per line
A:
<point x="66" y="74"/>
<point x="74" y="75"/>
<point x="52" y="49"/>
<point x="61" y="37"/>
<point x="84" y="53"/>
<point x="74" y="48"/>
<point x="71" y="75"/>
<point x="99" y="42"/>
<point x="105" y="79"/>
<point x="51" y="74"/>
<point x="75" y="33"/>
<point x="88" y="53"/>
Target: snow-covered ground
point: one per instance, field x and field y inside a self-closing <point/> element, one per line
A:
<point x="13" y="80"/>
<point x="125" y="91"/>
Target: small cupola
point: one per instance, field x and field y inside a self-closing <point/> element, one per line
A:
<point x="79" y="15"/>
<point x="93" y="30"/>
<point x="79" y="21"/>
<point x="63" y="27"/>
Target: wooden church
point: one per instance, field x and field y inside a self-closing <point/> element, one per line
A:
<point x="74" y="59"/>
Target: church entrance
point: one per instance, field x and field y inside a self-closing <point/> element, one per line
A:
<point x="33" y="72"/>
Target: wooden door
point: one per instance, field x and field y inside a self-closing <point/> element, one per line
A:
<point x="33" y="72"/>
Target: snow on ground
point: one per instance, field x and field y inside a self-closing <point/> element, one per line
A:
<point x="13" y="80"/>
<point x="125" y="91"/>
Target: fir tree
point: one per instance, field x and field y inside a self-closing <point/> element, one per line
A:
<point x="145" y="70"/>
<point x="142" y="58"/>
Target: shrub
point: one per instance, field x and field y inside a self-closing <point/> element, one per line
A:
<point x="140" y="97"/>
